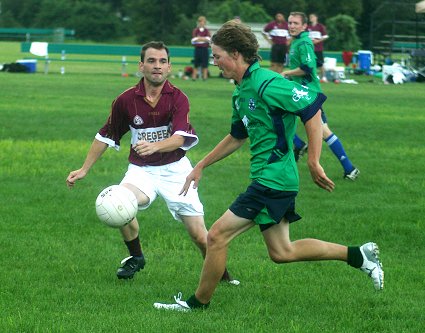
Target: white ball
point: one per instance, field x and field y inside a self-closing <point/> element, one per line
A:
<point x="116" y="206"/>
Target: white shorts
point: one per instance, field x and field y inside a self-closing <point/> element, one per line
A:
<point x="166" y="181"/>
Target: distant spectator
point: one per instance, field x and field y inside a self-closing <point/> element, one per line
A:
<point x="276" y="32"/>
<point x="237" y="19"/>
<point x="317" y="33"/>
<point x="201" y="41"/>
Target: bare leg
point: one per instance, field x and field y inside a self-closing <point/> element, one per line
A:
<point x="131" y="230"/>
<point x="205" y="73"/>
<point x="282" y="250"/>
<point x="197" y="231"/>
<point x="221" y="233"/>
<point x="326" y="131"/>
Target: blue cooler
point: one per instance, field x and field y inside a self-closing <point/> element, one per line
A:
<point x="365" y="59"/>
<point x="31" y="64"/>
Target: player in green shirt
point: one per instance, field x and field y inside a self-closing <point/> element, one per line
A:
<point x="265" y="109"/>
<point x="303" y="69"/>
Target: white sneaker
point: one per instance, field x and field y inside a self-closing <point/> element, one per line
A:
<point x="178" y="306"/>
<point x="372" y="265"/>
<point x="234" y="282"/>
<point x="352" y="175"/>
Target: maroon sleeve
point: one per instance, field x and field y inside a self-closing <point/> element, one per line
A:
<point x="180" y="121"/>
<point x="117" y="123"/>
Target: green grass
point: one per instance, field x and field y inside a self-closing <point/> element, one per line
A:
<point x="59" y="262"/>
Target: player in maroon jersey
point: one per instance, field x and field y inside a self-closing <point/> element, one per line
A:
<point x="318" y="35"/>
<point x="157" y="115"/>
<point x="201" y="41"/>
<point x="276" y="32"/>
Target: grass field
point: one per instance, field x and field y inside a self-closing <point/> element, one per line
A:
<point x="58" y="261"/>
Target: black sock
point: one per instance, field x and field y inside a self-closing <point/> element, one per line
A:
<point x="195" y="304"/>
<point x="226" y="276"/>
<point x="354" y="257"/>
<point x="134" y="247"/>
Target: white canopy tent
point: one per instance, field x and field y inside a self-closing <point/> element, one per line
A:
<point x="419" y="55"/>
<point x="420" y="7"/>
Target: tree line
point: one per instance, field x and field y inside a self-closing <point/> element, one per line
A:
<point x="348" y="22"/>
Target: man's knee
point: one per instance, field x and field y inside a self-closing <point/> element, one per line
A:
<point x="281" y="256"/>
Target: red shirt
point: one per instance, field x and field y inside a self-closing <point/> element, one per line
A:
<point x="131" y="112"/>
<point x="200" y="32"/>
<point x="317" y="31"/>
<point x="277" y="31"/>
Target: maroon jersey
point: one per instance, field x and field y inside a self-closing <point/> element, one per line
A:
<point x="278" y="32"/>
<point x="317" y="31"/>
<point x="200" y="32"/>
<point x="131" y="112"/>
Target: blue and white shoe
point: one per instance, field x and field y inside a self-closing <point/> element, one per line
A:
<point x="352" y="175"/>
<point x="372" y="266"/>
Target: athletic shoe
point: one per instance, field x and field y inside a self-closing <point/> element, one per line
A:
<point x="227" y="278"/>
<point x="352" y="175"/>
<point x="299" y="152"/>
<point x="372" y="265"/>
<point x="178" y="306"/>
<point x="130" y="266"/>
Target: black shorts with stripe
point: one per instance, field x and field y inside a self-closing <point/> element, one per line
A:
<point x="265" y="206"/>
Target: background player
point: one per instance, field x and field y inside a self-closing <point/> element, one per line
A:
<point x="302" y="69"/>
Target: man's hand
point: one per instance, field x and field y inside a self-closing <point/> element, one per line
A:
<point x="195" y="177"/>
<point x="320" y="178"/>
<point x="145" y="148"/>
<point x="74" y="176"/>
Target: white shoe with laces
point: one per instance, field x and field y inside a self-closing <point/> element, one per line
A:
<point x="178" y="306"/>
<point x="372" y="266"/>
<point x="352" y="175"/>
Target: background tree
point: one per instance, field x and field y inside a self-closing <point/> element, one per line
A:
<point x="173" y="20"/>
<point x="342" y="32"/>
<point x="222" y="11"/>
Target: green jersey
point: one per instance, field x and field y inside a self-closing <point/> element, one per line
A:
<point x="301" y="54"/>
<point x="265" y="109"/>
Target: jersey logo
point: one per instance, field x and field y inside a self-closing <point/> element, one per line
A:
<point x="308" y="58"/>
<point x="236" y="104"/>
<point x="299" y="94"/>
<point x="251" y="104"/>
<point x="245" y="121"/>
<point x="138" y="120"/>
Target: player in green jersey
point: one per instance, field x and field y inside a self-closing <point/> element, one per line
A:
<point x="265" y="109"/>
<point x="303" y="69"/>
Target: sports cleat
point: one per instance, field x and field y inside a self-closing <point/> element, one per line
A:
<point x="372" y="266"/>
<point x="227" y="278"/>
<point x="299" y="152"/>
<point x="352" y="175"/>
<point x="178" y="306"/>
<point x="130" y="266"/>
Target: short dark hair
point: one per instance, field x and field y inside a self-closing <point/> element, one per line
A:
<point x="238" y="37"/>
<point x="158" y="45"/>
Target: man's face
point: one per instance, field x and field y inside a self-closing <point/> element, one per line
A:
<point x="155" y="67"/>
<point x="280" y="18"/>
<point x="224" y="61"/>
<point x="295" y="25"/>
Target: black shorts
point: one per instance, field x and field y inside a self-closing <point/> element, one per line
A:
<point x="201" y="57"/>
<point x="319" y="58"/>
<point x="278" y="53"/>
<point x="265" y="206"/>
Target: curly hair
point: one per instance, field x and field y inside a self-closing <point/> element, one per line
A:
<point x="233" y="36"/>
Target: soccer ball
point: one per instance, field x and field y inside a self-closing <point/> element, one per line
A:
<point x="116" y="206"/>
